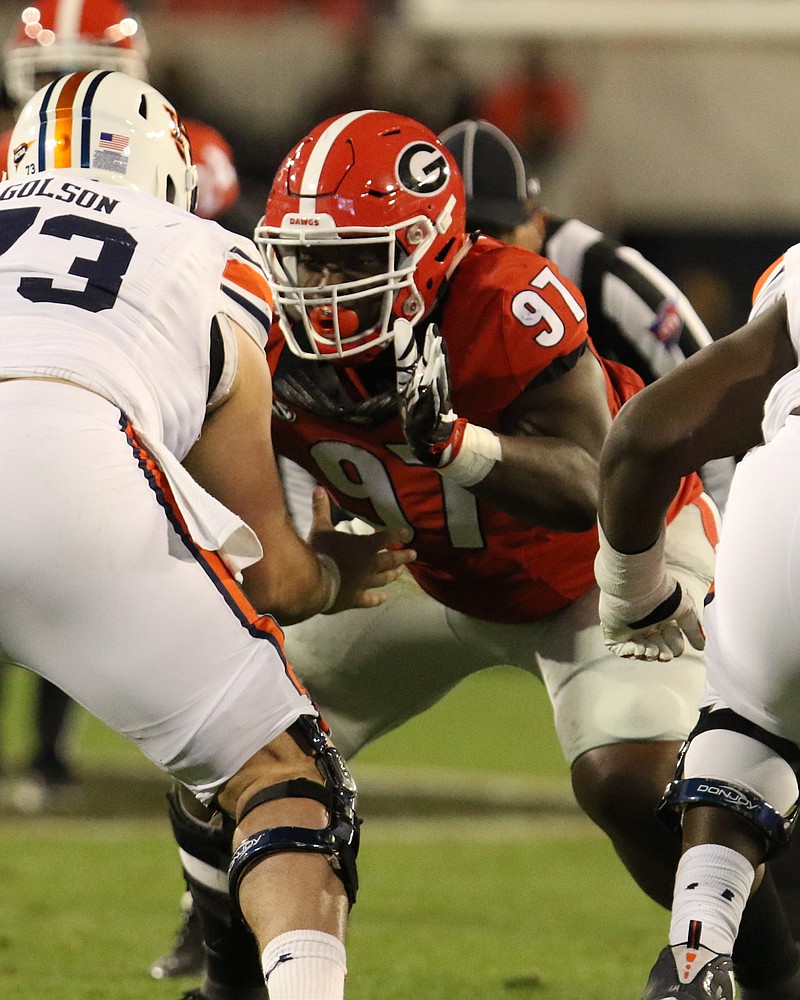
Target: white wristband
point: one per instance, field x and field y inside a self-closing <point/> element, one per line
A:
<point x="632" y="577"/>
<point x="332" y="574"/>
<point x="480" y="450"/>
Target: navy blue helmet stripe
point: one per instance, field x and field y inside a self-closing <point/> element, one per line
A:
<point x="86" y="124"/>
<point x="43" y="124"/>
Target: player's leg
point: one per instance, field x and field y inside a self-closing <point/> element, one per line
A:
<point x="734" y="799"/>
<point x="134" y="593"/>
<point x="50" y="751"/>
<point x="752" y="664"/>
<point x="48" y="781"/>
<point x="621" y="723"/>
<point x="296" y="844"/>
<point x="214" y="940"/>
<point x="369" y="671"/>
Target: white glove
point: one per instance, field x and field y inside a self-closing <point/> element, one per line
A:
<point x="423" y="389"/>
<point x="438" y="437"/>
<point x="644" y="611"/>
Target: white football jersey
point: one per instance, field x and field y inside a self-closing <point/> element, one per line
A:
<point x="782" y="280"/>
<point x="116" y="291"/>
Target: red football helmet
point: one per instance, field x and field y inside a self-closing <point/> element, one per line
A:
<point x="217" y="179"/>
<point x="56" y="37"/>
<point x="370" y="180"/>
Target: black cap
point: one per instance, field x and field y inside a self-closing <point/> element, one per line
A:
<point x="498" y="180"/>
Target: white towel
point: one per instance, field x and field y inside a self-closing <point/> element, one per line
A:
<point x="211" y="525"/>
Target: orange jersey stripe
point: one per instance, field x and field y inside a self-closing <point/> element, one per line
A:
<point x="766" y="276"/>
<point x="62" y="155"/>
<point x="249" y="279"/>
<point x="264" y="626"/>
<point x="710" y="525"/>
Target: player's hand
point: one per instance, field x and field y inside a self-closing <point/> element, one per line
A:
<point x="653" y="629"/>
<point x="644" y="611"/>
<point x="366" y="563"/>
<point x="432" y="429"/>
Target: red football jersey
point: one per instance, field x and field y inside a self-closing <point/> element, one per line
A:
<point x="509" y="317"/>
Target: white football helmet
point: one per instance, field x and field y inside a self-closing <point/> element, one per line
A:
<point x="56" y="37"/>
<point x="110" y="127"/>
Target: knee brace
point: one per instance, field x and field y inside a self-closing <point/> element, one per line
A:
<point x="762" y="787"/>
<point x="339" y="841"/>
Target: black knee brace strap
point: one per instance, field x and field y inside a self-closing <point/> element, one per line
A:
<point x="338" y="842"/>
<point x="775" y="827"/>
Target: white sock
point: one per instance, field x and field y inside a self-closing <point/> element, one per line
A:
<point x="304" y="965"/>
<point x="712" y="885"/>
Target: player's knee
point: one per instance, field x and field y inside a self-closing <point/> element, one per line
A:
<point x="619" y="785"/>
<point x="300" y="800"/>
<point x="735" y="765"/>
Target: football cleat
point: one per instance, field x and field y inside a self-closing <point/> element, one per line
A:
<point x="713" y="981"/>
<point x="187" y="957"/>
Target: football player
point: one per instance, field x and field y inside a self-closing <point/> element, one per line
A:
<point x="52" y="38"/>
<point x="143" y="579"/>
<point x="735" y="793"/>
<point x="447" y="383"/>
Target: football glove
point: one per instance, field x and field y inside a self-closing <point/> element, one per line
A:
<point x="644" y="612"/>
<point x="437" y="436"/>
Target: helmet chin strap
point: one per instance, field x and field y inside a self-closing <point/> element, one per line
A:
<point x="467" y="245"/>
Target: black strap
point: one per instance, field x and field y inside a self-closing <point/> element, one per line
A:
<point x="216" y="357"/>
<point x="296" y="788"/>
<point x="726" y="718"/>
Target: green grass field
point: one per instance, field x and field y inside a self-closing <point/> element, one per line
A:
<point x="479" y="877"/>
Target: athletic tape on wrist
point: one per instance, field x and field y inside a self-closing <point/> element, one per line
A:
<point x="623" y="575"/>
<point x="331" y="572"/>
<point x="479" y="452"/>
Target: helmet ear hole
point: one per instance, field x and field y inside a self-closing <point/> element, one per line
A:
<point x="143" y="107"/>
<point x="171" y="191"/>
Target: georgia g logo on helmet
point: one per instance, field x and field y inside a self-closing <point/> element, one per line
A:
<point x="422" y="168"/>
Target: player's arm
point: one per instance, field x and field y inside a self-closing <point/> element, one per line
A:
<point x="542" y="468"/>
<point x="551" y="448"/>
<point x="709" y="407"/>
<point x="234" y="461"/>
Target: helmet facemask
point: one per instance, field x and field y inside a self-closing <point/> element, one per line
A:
<point x="370" y="179"/>
<point x="331" y="318"/>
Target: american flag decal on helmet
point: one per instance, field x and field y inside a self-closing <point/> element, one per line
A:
<point x="110" y="140"/>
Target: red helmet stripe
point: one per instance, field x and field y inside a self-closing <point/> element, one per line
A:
<point x="309" y="183"/>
